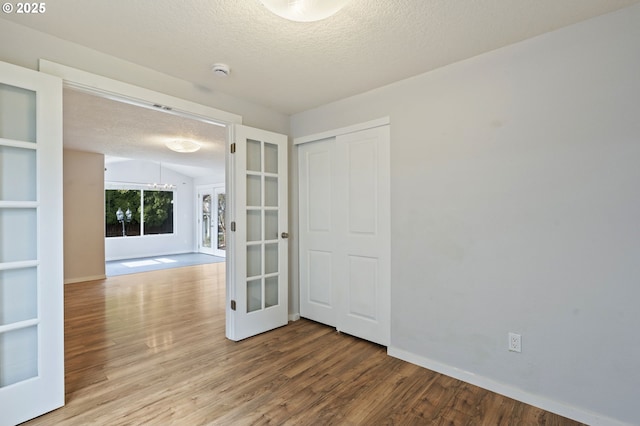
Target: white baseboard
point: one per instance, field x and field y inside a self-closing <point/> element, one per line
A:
<point x="556" y="407"/>
<point x="294" y="317"/>
<point x="83" y="279"/>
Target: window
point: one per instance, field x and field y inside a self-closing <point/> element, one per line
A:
<point x="132" y="212"/>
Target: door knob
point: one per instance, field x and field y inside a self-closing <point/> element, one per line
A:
<point x="285" y="235"/>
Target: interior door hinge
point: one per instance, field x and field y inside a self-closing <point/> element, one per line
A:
<point x="233" y="226"/>
<point x="233" y="148"/>
<point x="233" y="305"/>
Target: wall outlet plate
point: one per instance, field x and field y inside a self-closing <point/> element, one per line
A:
<point x="515" y="342"/>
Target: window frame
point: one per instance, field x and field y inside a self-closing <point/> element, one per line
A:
<point x="117" y="186"/>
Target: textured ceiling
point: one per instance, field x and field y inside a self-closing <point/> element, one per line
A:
<point x="125" y="131"/>
<point x="287" y="66"/>
<point x="291" y="66"/>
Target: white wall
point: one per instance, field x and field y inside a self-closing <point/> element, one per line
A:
<point x="211" y="180"/>
<point x="516" y="207"/>
<point x="182" y="240"/>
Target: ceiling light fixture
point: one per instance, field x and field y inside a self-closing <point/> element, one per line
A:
<point x="304" y="10"/>
<point x="182" y="145"/>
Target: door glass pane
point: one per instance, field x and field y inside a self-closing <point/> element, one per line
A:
<point x="271" y="258"/>
<point x="271" y="292"/>
<point x="254" y="225"/>
<point x="206" y="220"/>
<point x="18" y="118"/>
<point x="17" y="174"/>
<point x="254" y="260"/>
<point x="254" y="192"/>
<point x="222" y="227"/>
<point x="271" y="191"/>
<point x="270" y="158"/>
<point x="18" y="295"/>
<point x="271" y="225"/>
<point x="18" y="240"/>
<point x="254" y="295"/>
<point x="254" y="162"/>
<point x="18" y="355"/>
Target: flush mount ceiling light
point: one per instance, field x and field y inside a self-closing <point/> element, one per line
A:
<point x="304" y="10"/>
<point x="182" y="145"/>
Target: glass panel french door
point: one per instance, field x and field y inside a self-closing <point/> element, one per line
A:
<point x="31" y="276"/>
<point x="207" y="216"/>
<point x="257" y="274"/>
<point x="219" y="215"/>
<point x="211" y="221"/>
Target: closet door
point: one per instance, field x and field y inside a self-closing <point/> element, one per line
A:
<point x="318" y="234"/>
<point x="345" y="233"/>
<point x="362" y="253"/>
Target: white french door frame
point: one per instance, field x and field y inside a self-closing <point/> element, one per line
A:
<point x="241" y="322"/>
<point x="39" y="385"/>
<point x="217" y="191"/>
<point x="213" y="190"/>
<point x="138" y="96"/>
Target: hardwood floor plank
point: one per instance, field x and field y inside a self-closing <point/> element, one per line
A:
<point x="150" y="349"/>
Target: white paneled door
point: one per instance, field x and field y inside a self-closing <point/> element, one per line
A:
<point x="31" y="264"/>
<point x="345" y="232"/>
<point x="318" y="214"/>
<point x="257" y="276"/>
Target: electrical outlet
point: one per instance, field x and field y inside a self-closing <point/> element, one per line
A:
<point x="515" y="342"/>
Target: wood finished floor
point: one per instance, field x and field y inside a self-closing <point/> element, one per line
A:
<point x="150" y="349"/>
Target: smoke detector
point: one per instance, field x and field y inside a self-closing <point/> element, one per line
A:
<point x="221" y="70"/>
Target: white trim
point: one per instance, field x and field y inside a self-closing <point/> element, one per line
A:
<point x="19" y="204"/>
<point x="135" y="95"/>
<point x="18" y="144"/>
<point x="85" y="279"/>
<point x="294" y="317"/>
<point x="556" y="407"/>
<point x="230" y="264"/>
<point x="18" y="265"/>
<point x="342" y="131"/>
<point x="18" y="325"/>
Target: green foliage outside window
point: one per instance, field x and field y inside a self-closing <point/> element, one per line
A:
<point x="158" y="212"/>
<point x="157" y="217"/>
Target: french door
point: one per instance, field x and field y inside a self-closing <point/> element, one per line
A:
<point x="31" y="264"/>
<point x="212" y="233"/>
<point x="257" y="276"/>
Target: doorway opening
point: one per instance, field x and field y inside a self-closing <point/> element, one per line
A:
<point x="149" y="189"/>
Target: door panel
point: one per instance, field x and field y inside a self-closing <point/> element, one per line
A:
<point x="257" y="278"/>
<point x="363" y="287"/>
<point x="317" y="233"/>
<point x="364" y="255"/>
<point x="345" y="233"/>
<point x="31" y="278"/>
